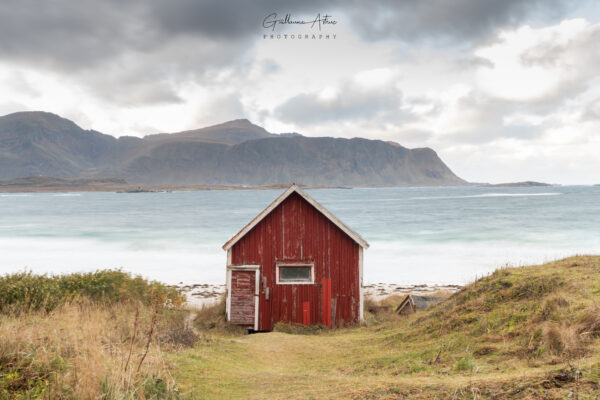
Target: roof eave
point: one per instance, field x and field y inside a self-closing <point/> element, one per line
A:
<point x="294" y="188"/>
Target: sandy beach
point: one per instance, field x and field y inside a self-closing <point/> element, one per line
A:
<point x="203" y="294"/>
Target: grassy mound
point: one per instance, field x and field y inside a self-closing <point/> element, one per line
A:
<point x="513" y="332"/>
<point x="525" y="333"/>
<point x="532" y="313"/>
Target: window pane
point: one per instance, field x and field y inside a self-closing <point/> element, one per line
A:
<point x="294" y="273"/>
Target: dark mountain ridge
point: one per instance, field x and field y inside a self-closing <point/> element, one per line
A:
<point x="233" y="153"/>
<point x="231" y="132"/>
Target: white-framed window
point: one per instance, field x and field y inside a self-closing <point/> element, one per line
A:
<point x="295" y="274"/>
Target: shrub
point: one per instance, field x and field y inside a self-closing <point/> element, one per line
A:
<point x="562" y="340"/>
<point x="589" y="321"/>
<point x="22" y="292"/>
<point x="551" y="307"/>
<point x="212" y="318"/>
<point x="465" y="364"/>
<point x="534" y="287"/>
<point x="176" y="330"/>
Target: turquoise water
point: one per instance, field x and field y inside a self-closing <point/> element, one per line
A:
<point x="417" y="235"/>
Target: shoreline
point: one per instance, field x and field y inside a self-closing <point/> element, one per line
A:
<point x="127" y="188"/>
<point x="205" y="294"/>
<point x="46" y="184"/>
<point x="78" y="185"/>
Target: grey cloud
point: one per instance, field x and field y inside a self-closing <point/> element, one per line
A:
<point x="445" y="21"/>
<point x="82" y="34"/>
<point x="225" y="107"/>
<point x="435" y="106"/>
<point x="11" y="107"/>
<point x="550" y="53"/>
<point x="353" y="102"/>
<point x="477" y="62"/>
<point x="115" y="47"/>
<point x="382" y="107"/>
<point x="63" y="34"/>
<point x="578" y="61"/>
<point x="592" y="111"/>
<point x="487" y="116"/>
<point x="19" y="83"/>
<point x="73" y="35"/>
<point x="269" y="66"/>
<point x="412" y="137"/>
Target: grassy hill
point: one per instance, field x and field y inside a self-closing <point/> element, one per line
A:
<point x="520" y="333"/>
<point x="526" y="333"/>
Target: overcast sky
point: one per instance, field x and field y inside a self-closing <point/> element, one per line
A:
<point x="502" y="90"/>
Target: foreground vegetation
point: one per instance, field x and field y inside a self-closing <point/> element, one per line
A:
<point x="520" y="333"/>
<point x="23" y="292"/>
<point x="524" y="333"/>
<point x="88" y="336"/>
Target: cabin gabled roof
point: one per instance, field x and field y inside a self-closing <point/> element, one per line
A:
<point x="295" y="189"/>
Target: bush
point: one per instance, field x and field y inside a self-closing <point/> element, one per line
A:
<point x="551" y="307"/>
<point x="175" y="330"/>
<point x="563" y="340"/>
<point x="589" y="321"/>
<point x="465" y="364"/>
<point x="212" y="318"/>
<point x="534" y="287"/>
<point x="22" y="292"/>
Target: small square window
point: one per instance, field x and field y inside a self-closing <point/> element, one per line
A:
<point x="295" y="274"/>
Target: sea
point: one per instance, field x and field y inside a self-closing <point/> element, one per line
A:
<point x="417" y="235"/>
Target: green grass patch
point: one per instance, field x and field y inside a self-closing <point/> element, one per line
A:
<point x="23" y="292"/>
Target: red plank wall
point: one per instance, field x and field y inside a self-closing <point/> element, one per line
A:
<point x="295" y="231"/>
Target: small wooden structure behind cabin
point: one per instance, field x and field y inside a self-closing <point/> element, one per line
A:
<point x="295" y="262"/>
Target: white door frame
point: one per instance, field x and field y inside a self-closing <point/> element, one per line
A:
<point x="256" y="269"/>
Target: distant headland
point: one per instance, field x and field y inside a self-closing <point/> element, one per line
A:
<point x="234" y="153"/>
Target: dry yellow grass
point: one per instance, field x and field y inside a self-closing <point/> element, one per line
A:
<point x="84" y="351"/>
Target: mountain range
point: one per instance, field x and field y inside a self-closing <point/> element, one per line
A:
<point x="232" y="153"/>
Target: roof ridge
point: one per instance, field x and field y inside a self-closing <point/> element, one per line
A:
<point x="294" y="188"/>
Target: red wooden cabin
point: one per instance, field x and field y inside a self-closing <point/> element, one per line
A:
<point x="295" y="262"/>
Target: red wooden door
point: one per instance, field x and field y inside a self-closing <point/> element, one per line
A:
<point x="243" y="287"/>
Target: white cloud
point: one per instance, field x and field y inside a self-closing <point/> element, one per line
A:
<point x="529" y="64"/>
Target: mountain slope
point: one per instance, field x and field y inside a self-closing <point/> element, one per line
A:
<point x="40" y="143"/>
<point x="232" y="132"/>
<point x="232" y="153"/>
<point x="311" y="161"/>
